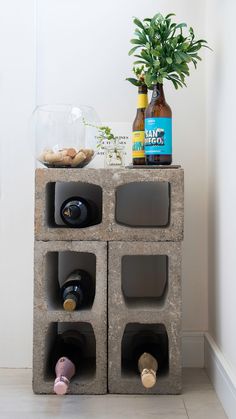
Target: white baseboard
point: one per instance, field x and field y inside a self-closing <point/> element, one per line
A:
<point x="193" y="349"/>
<point x="221" y="375"/>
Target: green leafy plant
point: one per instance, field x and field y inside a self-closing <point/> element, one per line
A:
<point x="105" y="134"/>
<point x="163" y="51"/>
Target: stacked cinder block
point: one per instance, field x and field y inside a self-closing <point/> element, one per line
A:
<point x="122" y="235"/>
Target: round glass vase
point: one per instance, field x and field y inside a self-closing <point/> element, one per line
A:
<point x="64" y="135"/>
<point x="114" y="156"/>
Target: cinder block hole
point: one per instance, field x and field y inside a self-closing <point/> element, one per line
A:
<point x="58" y="265"/>
<point x="144" y="280"/>
<point x="87" y="367"/>
<point x="143" y="204"/>
<point x="139" y="338"/>
<point x="58" y="192"/>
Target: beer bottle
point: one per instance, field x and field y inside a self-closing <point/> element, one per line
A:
<point x="138" y="127"/>
<point x="158" y="129"/>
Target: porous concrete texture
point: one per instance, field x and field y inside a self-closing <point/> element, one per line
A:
<point x="123" y="240"/>
<point x="109" y="180"/>
<point x="174" y="230"/>
<point x="168" y="314"/>
<point x="48" y="312"/>
<point x="45" y="180"/>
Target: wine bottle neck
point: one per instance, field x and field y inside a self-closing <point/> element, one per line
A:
<point x="71" y="301"/>
<point x="64" y="369"/>
<point x="147" y="366"/>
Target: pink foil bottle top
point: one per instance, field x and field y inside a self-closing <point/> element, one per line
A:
<point x="64" y="370"/>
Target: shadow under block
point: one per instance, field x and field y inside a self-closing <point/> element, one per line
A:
<point x="120" y="315"/>
<point x="48" y="314"/>
<point x="109" y="181"/>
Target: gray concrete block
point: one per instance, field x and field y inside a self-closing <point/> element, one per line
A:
<point x="173" y="231"/>
<point x="169" y="184"/>
<point x="147" y="312"/>
<point x="45" y="181"/>
<point x="49" y="315"/>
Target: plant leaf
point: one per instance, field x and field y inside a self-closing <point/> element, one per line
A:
<point x="140" y="62"/>
<point x="169" y="60"/>
<point x="133" y="50"/>
<point x="181" y="25"/>
<point x="133" y="81"/>
<point x="136" y="41"/>
<point x="169" y="15"/>
<point x="138" y="23"/>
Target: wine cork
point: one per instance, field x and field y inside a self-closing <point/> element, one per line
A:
<point x="66" y="161"/>
<point x="53" y="157"/>
<point x="79" y="158"/>
<point x="66" y="156"/>
<point x="42" y="155"/>
<point x="69" y="304"/>
<point x="71" y="152"/>
<point x="88" y="153"/>
<point x="148" y="378"/>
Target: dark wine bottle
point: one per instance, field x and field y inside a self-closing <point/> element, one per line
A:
<point x="77" y="290"/>
<point x="66" y="357"/>
<point x="150" y="353"/>
<point x="79" y="212"/>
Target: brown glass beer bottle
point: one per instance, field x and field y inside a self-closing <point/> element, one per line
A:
<point x="138" y="127"/>
<point x="158" y="129"/>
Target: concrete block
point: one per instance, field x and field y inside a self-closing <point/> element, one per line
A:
<point x="45" y="181"/>
<point x="147" y="312"/>
<point x="164" y="183"/>
<point x="155" y="180"/>
<point x="50" y="318"/>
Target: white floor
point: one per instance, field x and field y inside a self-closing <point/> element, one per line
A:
<point x="198" y="401"/>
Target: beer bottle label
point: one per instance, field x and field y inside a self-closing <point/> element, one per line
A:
<point x="142" y="101"/>
<point x="138" y="144"/>
<point x="158" y="136"/>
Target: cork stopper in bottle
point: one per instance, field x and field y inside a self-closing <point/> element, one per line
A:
<point x="69" y="304"/>
<point x="147" y="366"/>
<point x="148" y="378"/>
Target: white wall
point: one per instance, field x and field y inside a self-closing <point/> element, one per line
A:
<point x="82" y="58"/>
<point x="17" y="95"/>
<point x="222" y="179"/>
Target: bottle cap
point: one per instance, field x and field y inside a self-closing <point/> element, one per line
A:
<point x="61" y="385"/>
<point x="69" y="304"/>
<point x="148" y="378"/>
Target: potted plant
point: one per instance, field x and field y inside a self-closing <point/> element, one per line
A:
<point x="163" y="51"/>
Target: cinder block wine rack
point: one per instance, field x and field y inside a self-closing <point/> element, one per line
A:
<point x="133" y="254"/>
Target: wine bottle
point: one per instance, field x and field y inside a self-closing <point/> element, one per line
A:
<point x="66" y="357"/>
<point x="150" y="352"/>
<point x="77" y="290"/>
<point x="79" y="212"/>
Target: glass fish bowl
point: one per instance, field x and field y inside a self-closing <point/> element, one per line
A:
<point x="65" y="135"/>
